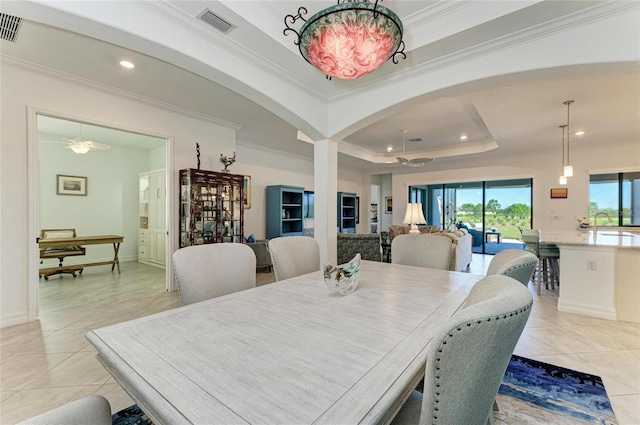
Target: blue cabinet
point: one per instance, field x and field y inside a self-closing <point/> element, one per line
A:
<point x="347" y="212"/>
<point x="284" y="211"/>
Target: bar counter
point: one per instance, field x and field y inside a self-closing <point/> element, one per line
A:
<point x="599" y="272"/>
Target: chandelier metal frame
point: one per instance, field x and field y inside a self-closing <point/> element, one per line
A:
<point x="342" y="6"/>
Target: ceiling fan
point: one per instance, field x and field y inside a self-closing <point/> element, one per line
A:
<point x="414" y="162"/>
<point x="80" y="145"/>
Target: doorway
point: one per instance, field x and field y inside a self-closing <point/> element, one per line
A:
<point x="110" y="203"/>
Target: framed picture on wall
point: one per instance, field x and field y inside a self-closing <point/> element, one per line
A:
<point x="71" y="185"/>
<point x="559" y="193"/>
<point x="388" y="205"/>
<point x="247" y="192"/>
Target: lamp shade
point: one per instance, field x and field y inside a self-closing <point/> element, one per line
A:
<point x="350" y="39"/>
<point x="414" y="216"/>
<point x="562" y="180"/>
<point x="568" y="171"/>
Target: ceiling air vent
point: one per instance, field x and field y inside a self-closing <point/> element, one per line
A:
<point x="416" y="139"/>
<point x="9" y="27"/>
<point x="216" y="21"/>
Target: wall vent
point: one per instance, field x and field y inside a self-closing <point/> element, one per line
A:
<point x="9" y="27"/>
<point x="216" y="21"/>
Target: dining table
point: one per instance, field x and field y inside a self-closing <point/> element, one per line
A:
<point x="289" y="352"/>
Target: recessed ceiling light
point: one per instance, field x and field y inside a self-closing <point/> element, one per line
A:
<point x="127" y="64"/>
<point x="389" y="148"/>
<point x="463" y="137"/>
<point x="579" y="133"/>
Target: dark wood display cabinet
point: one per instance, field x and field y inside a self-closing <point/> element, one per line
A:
<point x="211" y="207"/>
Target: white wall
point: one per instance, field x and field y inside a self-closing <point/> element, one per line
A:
<point x="267" y="168"/>
<point x="24" y="86"/>
<point x="111" y="204"/>
<point x="157" y="159"/>
<point x="608" y="155"/>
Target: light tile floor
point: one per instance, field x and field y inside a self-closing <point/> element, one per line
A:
<point x="47" y="363"/>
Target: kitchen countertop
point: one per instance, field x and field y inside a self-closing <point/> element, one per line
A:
<point x="603" y="238"/>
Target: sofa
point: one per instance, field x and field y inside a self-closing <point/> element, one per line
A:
<point x="461" y="246"/>
<point x="395" y="230"/>
<point x="461" y="240"/>
<point x="367" y="244"/>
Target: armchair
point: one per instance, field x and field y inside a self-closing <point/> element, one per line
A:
<point x="263" y="257"/>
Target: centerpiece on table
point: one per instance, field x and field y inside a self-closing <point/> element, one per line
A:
<point x="343" y="280"/>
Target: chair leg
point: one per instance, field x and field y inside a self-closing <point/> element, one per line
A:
<point x="538" y="273"/>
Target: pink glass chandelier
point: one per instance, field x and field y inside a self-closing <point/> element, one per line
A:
<point x="350" y="39"/>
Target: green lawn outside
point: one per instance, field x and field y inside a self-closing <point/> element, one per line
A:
<point x="508" y="227"/>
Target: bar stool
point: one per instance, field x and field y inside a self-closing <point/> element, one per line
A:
<point x="548" y="268"/>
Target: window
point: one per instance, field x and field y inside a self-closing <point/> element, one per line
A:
<point x="617" y="194"/>
<point x="504" y="205"/>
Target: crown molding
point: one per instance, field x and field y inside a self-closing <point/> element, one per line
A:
<point x="600" y="11"/>
<point x="255" y="60"/>
<point x="74" y="79"/>
<point x="273" y="151"/>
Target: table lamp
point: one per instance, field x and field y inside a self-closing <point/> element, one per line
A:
<point x="414" y="216"/>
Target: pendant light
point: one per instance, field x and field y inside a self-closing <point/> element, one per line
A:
<point x="563" y="179"/>
<point x="568" y="169"/>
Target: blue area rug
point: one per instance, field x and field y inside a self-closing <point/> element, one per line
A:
<point x="132" y="415"/>
<point x="532" y="392"/>
<point x="494" y="248"/>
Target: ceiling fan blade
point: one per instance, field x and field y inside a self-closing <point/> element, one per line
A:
<point x="96" y="145"/>
<point x="421" y="160"/>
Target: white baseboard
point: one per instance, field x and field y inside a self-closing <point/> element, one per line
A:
<point x="14" y="319"/>
<point x="587" y="310"/>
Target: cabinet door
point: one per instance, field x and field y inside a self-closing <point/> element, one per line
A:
<point x="157" y="247"/>
<point x="157" y="202"/>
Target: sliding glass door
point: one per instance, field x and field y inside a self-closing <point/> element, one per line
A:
<point x="494" y="212"/>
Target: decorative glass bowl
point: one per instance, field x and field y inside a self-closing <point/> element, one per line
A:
<point x="343" y="280"/>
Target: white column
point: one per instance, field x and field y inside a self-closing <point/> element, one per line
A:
<point x="325" y="162"/>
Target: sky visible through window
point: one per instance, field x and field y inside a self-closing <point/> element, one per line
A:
<point x="605" y="194"/>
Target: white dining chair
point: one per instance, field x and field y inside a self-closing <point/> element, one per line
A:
<point x="422" y="250"/>
<point x="212" y="270"/>
<point x="294" y="255"/>
<point x="514" y="263"/>
<point x="93" y="410"/>
<point x="468" y="356"/>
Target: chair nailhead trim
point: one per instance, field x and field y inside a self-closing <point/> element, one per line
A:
<point x="451" y="334"/>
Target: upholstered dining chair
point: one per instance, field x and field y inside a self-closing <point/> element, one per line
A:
<point x="294" y="255"/>
<point x="94" y="410"/>
<point x="514" y="263"/>
<point x="422" y="251"/>
<point x="468" y="356"/>
<point x="212" y="270"/>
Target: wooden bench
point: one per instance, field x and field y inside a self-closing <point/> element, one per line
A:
<point x="59" y="252"/>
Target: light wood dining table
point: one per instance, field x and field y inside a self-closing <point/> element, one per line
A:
<point x="289" y="352"/>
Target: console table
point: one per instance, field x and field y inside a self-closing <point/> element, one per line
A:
<point x="84" y="240"/>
